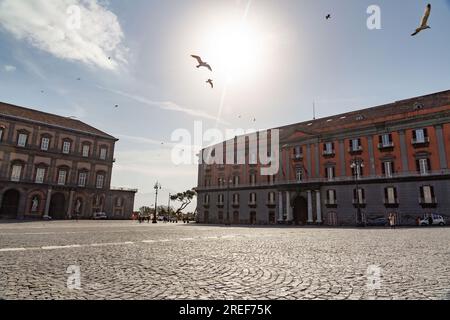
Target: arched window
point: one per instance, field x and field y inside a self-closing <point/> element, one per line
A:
<point x="63" y="173"/>
<point x="22" y="138"/>
<point x="83" y="177"/>
<point x="66" y="146"/>
<point x="86" y="149"/>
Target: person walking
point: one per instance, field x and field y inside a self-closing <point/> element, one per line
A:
<point x="392" y="220"/>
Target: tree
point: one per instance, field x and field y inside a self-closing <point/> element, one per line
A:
<point x="185" y="198"/>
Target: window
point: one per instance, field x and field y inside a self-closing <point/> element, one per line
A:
<point x="359" y="196"/>
<point x="390" y="195"/>
<point x="236" y="198"/>
<point x="388" y="169"/>
<point x="66" y="147"/>
<point x="328" y="148"/>
<point x="206" y="199"/>
<point x="100" y="181"/>
<point x="271" y="197"/>
<point x="270" y="179"/>
<point x="252" y="198"/>
<point x="22" y="140"/>
<point x="1" y="133"/>
<point x="103" y="153"/>
<point x="385" y="141"/>
<point x="299" y="174"/>
<point x="62" y="175"/>
<point x="330" y="173"/>
<point x="82" y="179"/>
<point x="40" y="175"/>
<point x="252" y="179"/>
<point x="423" y="166"/>
<point x="119" y="202"/>
<point x="420" y="136"/>
<point x="220" y="199"/>
<point x="355" y="145"/>
<point x="45" y="143"/>
<point x="236" y="180"/>
<point x="16" y="172"/>
<point x="427" y="195"/>
<point x="331" y="197"/>
<point x="297" y="152"/>
<point x="86" y="149"/>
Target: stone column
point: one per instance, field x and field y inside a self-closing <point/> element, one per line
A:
<point x="319" y="207"/>
<point x="288" y="207"/>
<point x="280" y="206"/>
<point x="310" y="211"/>
<point x="69" y="210"/>
<point x="47" y="202"/>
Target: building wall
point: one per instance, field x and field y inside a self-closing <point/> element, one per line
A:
<point x="403" y="154"/>
<point x="91" y="198"/>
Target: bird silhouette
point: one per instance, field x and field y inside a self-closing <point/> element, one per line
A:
<point x="328" y="16"/>
<point x="211" y="83"/>
<point x="116" y="106"/>
<point x="424" y="23"/>
<point x="201" y="63"/>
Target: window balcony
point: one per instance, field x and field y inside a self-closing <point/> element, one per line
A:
<point x="206" y="205"/>
<point x="391" y="204"/>
<point x="252" y="204"/>
<point x="220" y="204"/>
<point x="331" y="203"/>
<point x="428" y="203"/>
<point x="235" y="204"/>
<point x="420" y="142"/>
<point x="361" y="204"/>
<point x="356" y="150"/>
<point x="328" y="153"/>
<point x="385" y="146"/>
<point x="271" y="203"/>
<point x="297" y="157"/>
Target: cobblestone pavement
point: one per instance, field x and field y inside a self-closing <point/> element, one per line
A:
<point x="126" y="260"/>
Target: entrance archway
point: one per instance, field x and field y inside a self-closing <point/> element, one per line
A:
<point x="10" y="204"/>
<point x="58" y="206"/>
<point x="300" y="210"/>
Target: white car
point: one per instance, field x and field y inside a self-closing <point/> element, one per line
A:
<point x="437" y="220"/>
<point x="100" y="216"/>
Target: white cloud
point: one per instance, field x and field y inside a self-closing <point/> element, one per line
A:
<point x="44" y="25"/>
<point x="166" y="105"/>
<point x="9" y="68"/>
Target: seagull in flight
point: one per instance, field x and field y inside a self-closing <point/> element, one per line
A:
<point x="424" y="23"/>
<point x="328" y="16"/>
<point x="211" y="83"/>
<point x="201" y="63"/>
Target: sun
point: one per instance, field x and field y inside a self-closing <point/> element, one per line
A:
<point x="236" y="50"/>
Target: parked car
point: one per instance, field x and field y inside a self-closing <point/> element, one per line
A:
<point x="100" y="216"/>
<point x="378" y="222"/>
<point x="438" y="220"/>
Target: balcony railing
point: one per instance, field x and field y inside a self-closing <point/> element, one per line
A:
<point x="420" y="141"/>
<point x="355" y="150"/>
<point x="428" y="202"/>
<point x="362" y="179"/>
<point x="389" y="145"/>
<point x="328" y="153"/>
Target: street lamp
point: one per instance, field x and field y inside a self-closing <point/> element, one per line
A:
<point x="157" y="187"/>
<point x="229" y="181"/>
<point x="356" y="165"/>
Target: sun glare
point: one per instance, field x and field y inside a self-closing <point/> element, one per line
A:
<point x="236" y="51"/>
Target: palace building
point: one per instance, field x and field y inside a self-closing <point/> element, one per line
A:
<point x="52" y="166"/>
<point x="345" y="170"/>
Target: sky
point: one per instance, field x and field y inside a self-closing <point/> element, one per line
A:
<point x="270" y="60"/>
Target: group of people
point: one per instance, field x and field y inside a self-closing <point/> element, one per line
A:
<point x="392" y="220"/>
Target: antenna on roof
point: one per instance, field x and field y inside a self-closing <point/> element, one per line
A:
<point x="314" y="110"/>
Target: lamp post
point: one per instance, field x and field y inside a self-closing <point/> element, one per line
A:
<point x="356" y="165"/>
<point x="157" y="187"/>
<point x="168" y="207"/>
